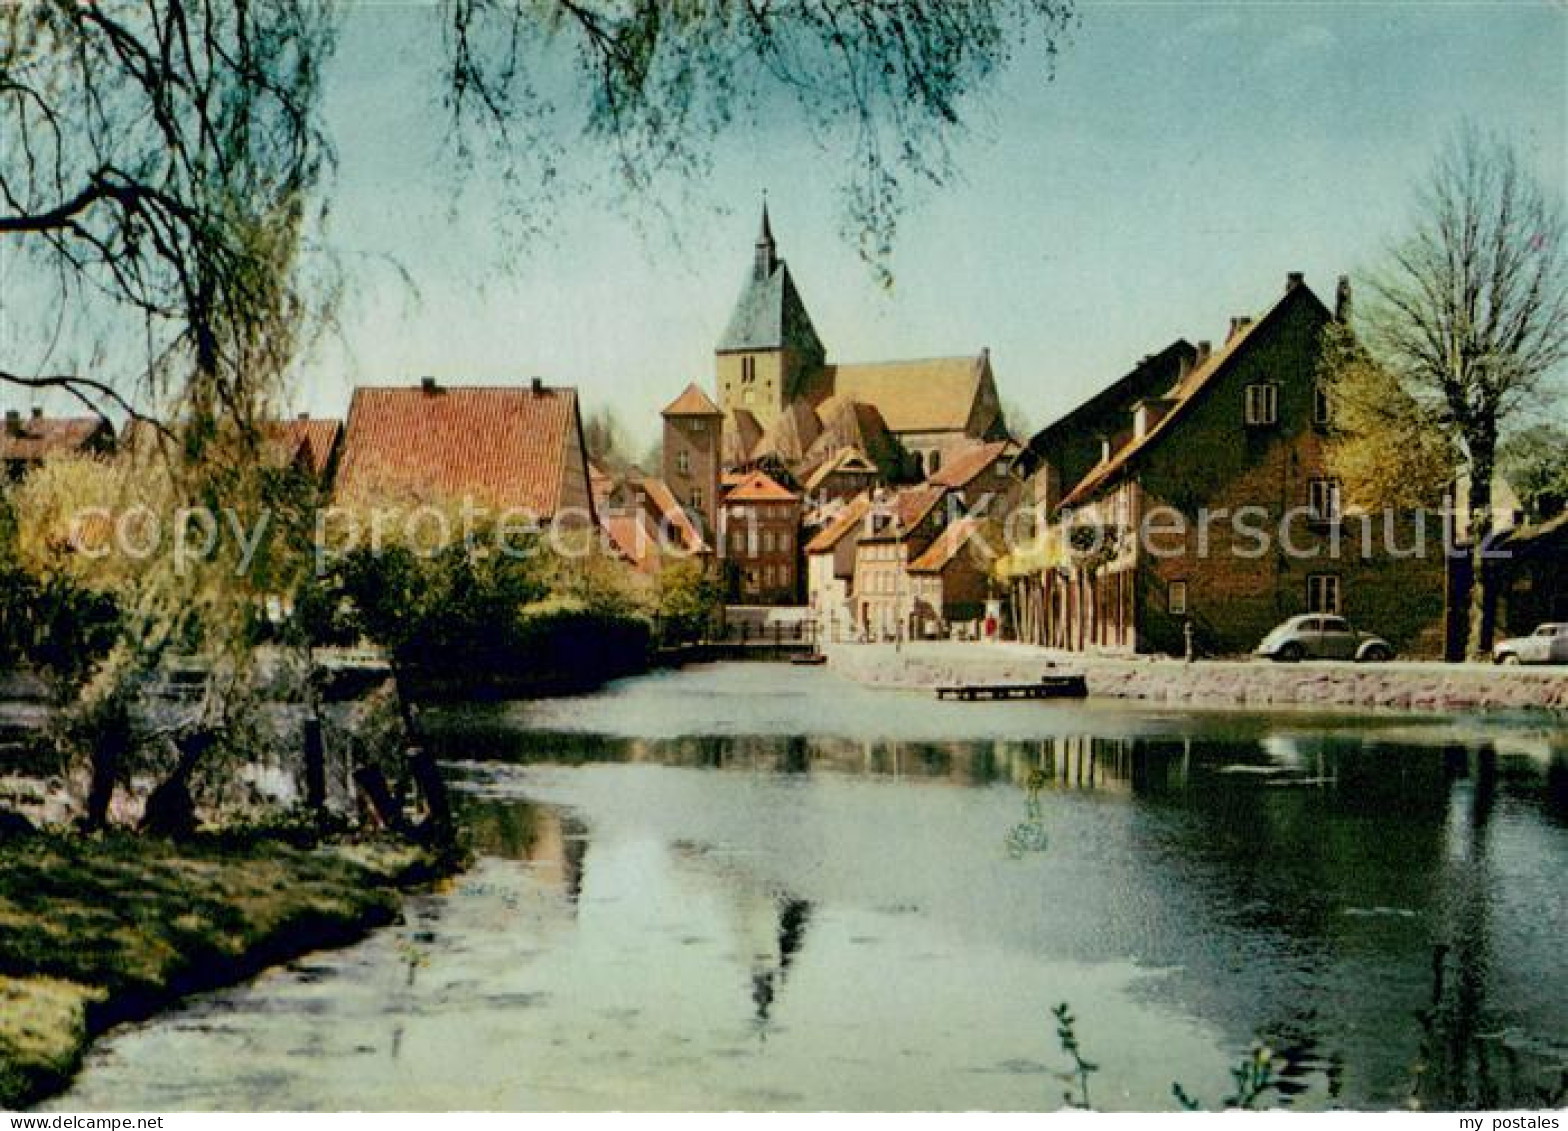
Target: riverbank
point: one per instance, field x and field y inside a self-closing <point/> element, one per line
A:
<point x="98" y="932"/>
<point x="1211" y="683"/>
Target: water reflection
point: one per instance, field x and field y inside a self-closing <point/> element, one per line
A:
<point x="700" y="906"/>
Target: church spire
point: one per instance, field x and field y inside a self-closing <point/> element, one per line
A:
<point x="766" y="257"/>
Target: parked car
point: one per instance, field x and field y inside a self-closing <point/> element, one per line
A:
<point x="1548" y="644"/>
<point x="1316" y="636"/>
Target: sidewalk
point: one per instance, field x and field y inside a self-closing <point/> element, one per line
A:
<point x="1408" y="685"/>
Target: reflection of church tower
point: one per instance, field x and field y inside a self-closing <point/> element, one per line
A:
<point x="770" y="353"/>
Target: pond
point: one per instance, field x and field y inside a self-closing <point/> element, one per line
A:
<point x="759" y="886"/>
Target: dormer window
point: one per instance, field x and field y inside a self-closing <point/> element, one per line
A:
<point x="1262" y="405"/>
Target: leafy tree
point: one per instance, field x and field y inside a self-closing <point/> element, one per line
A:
<point x="1535" y="461"/>
<point x="1386" y="448"/>
<point x="688" y="596"/>
<point x="1470" y="316"/>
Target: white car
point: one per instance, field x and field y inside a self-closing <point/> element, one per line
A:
<point x="1548" y="644"/>
<point x="1318" y="636"/>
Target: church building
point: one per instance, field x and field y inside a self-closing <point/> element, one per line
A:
<point x="783" y="399"/>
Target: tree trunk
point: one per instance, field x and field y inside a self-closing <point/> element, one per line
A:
<point x="170" y="810"/>
<point x="1478" y="643"/>
<point x="422" y="764"/>
<point x="106" y="760"/>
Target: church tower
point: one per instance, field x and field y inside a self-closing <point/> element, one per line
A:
<point x="770" y="353"/>
<point x="692" y="450"/>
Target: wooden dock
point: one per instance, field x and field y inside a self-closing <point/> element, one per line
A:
<point x="1049" y="687"/>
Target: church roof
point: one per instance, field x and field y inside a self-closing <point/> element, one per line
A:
<point x="692" y="402"/>
<point x="791" y="434"/>
<point x="770" y="315"/>
<point x="933" y="395"/>
<point x="742" y="433"/>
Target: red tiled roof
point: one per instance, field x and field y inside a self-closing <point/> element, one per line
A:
<point x="845" y="521"/>
<point x="1186" y="394"/>
<point x="759" y="487"/>
<point x="633" y="540"/>
<point x="670" y="512"/>
<point x="969" y="463"/>
<point x="313" y="439"/>
<point x="501" y="446"/>
<point x="692" y="402"/>
<point x="946" y="547"/>
<point x="43" y="437"/>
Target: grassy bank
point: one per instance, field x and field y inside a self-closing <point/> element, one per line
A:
<point x="97" y="932"/>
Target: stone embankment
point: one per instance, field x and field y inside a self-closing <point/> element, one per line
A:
<point x="1213" y="683"/>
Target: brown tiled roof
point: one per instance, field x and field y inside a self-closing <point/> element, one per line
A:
<point x="845" y="459"/>
<point x="933" y="395"/>
<point x="47" y="436"/>
<point x="669" y="510"/>
<point x="633" y="540"/>
<point x="846" y="520"/>
<point x="601" y="483"/>
<point x="1185" y="394"/>
<point x="791" y="434"/>
<point x="759" y="487"/>
<point x="502" y="446"/>
<point x="692" y="402"/>
<point x="946" y="547"/>
<point x="742" y="433"/>
<point x="958" y="470"/>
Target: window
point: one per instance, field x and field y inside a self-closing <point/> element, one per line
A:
<point x="1323" y="593"/>
<point x="767" y="542"/>
<point x="783" y="542"/>
<point x="749" y="396"/>
<point x="683" y="462"/>
<point x="699" y="425"/>
<point x="1262" y="404"/>
<point x="935" y="463"/>
<point x="696" y="498"/>
<point x="1323" y="499"/>
<point x="1320" y="406"/>
<point x="1176" y="598"/>
<point x="748" y="370"/>
<point x="1336" y="624"/>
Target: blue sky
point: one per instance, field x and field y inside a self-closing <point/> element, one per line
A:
<point x="1185" y="157"/>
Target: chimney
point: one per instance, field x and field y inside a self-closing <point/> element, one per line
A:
<point x="1105" y="448"/>
<point x="1342" y="300"/>
<point x="1238" y="325"/>
<point x="1293" y="279"/>
<point x="428" y="385"/>
<point x="13" y="422"/>
<point x="1205" y="348"/>
<point x="38" y="412"/>
<point x="537" y="385"/>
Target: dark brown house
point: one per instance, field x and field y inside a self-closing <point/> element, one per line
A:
<point x="1218" y="510"/>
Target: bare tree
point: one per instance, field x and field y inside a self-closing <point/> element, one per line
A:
<point x="1470" y="315"/>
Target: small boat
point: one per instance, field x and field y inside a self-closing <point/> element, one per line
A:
<point x="813" y="660"/>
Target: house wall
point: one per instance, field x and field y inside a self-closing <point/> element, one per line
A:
<point x="699" y="439"/>
<point x="883" y="596"/>
<point x="1235" y="594"/>
<point x="760" y="544"/>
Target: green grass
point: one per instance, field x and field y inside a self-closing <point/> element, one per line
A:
<point x="94" y="932"/>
